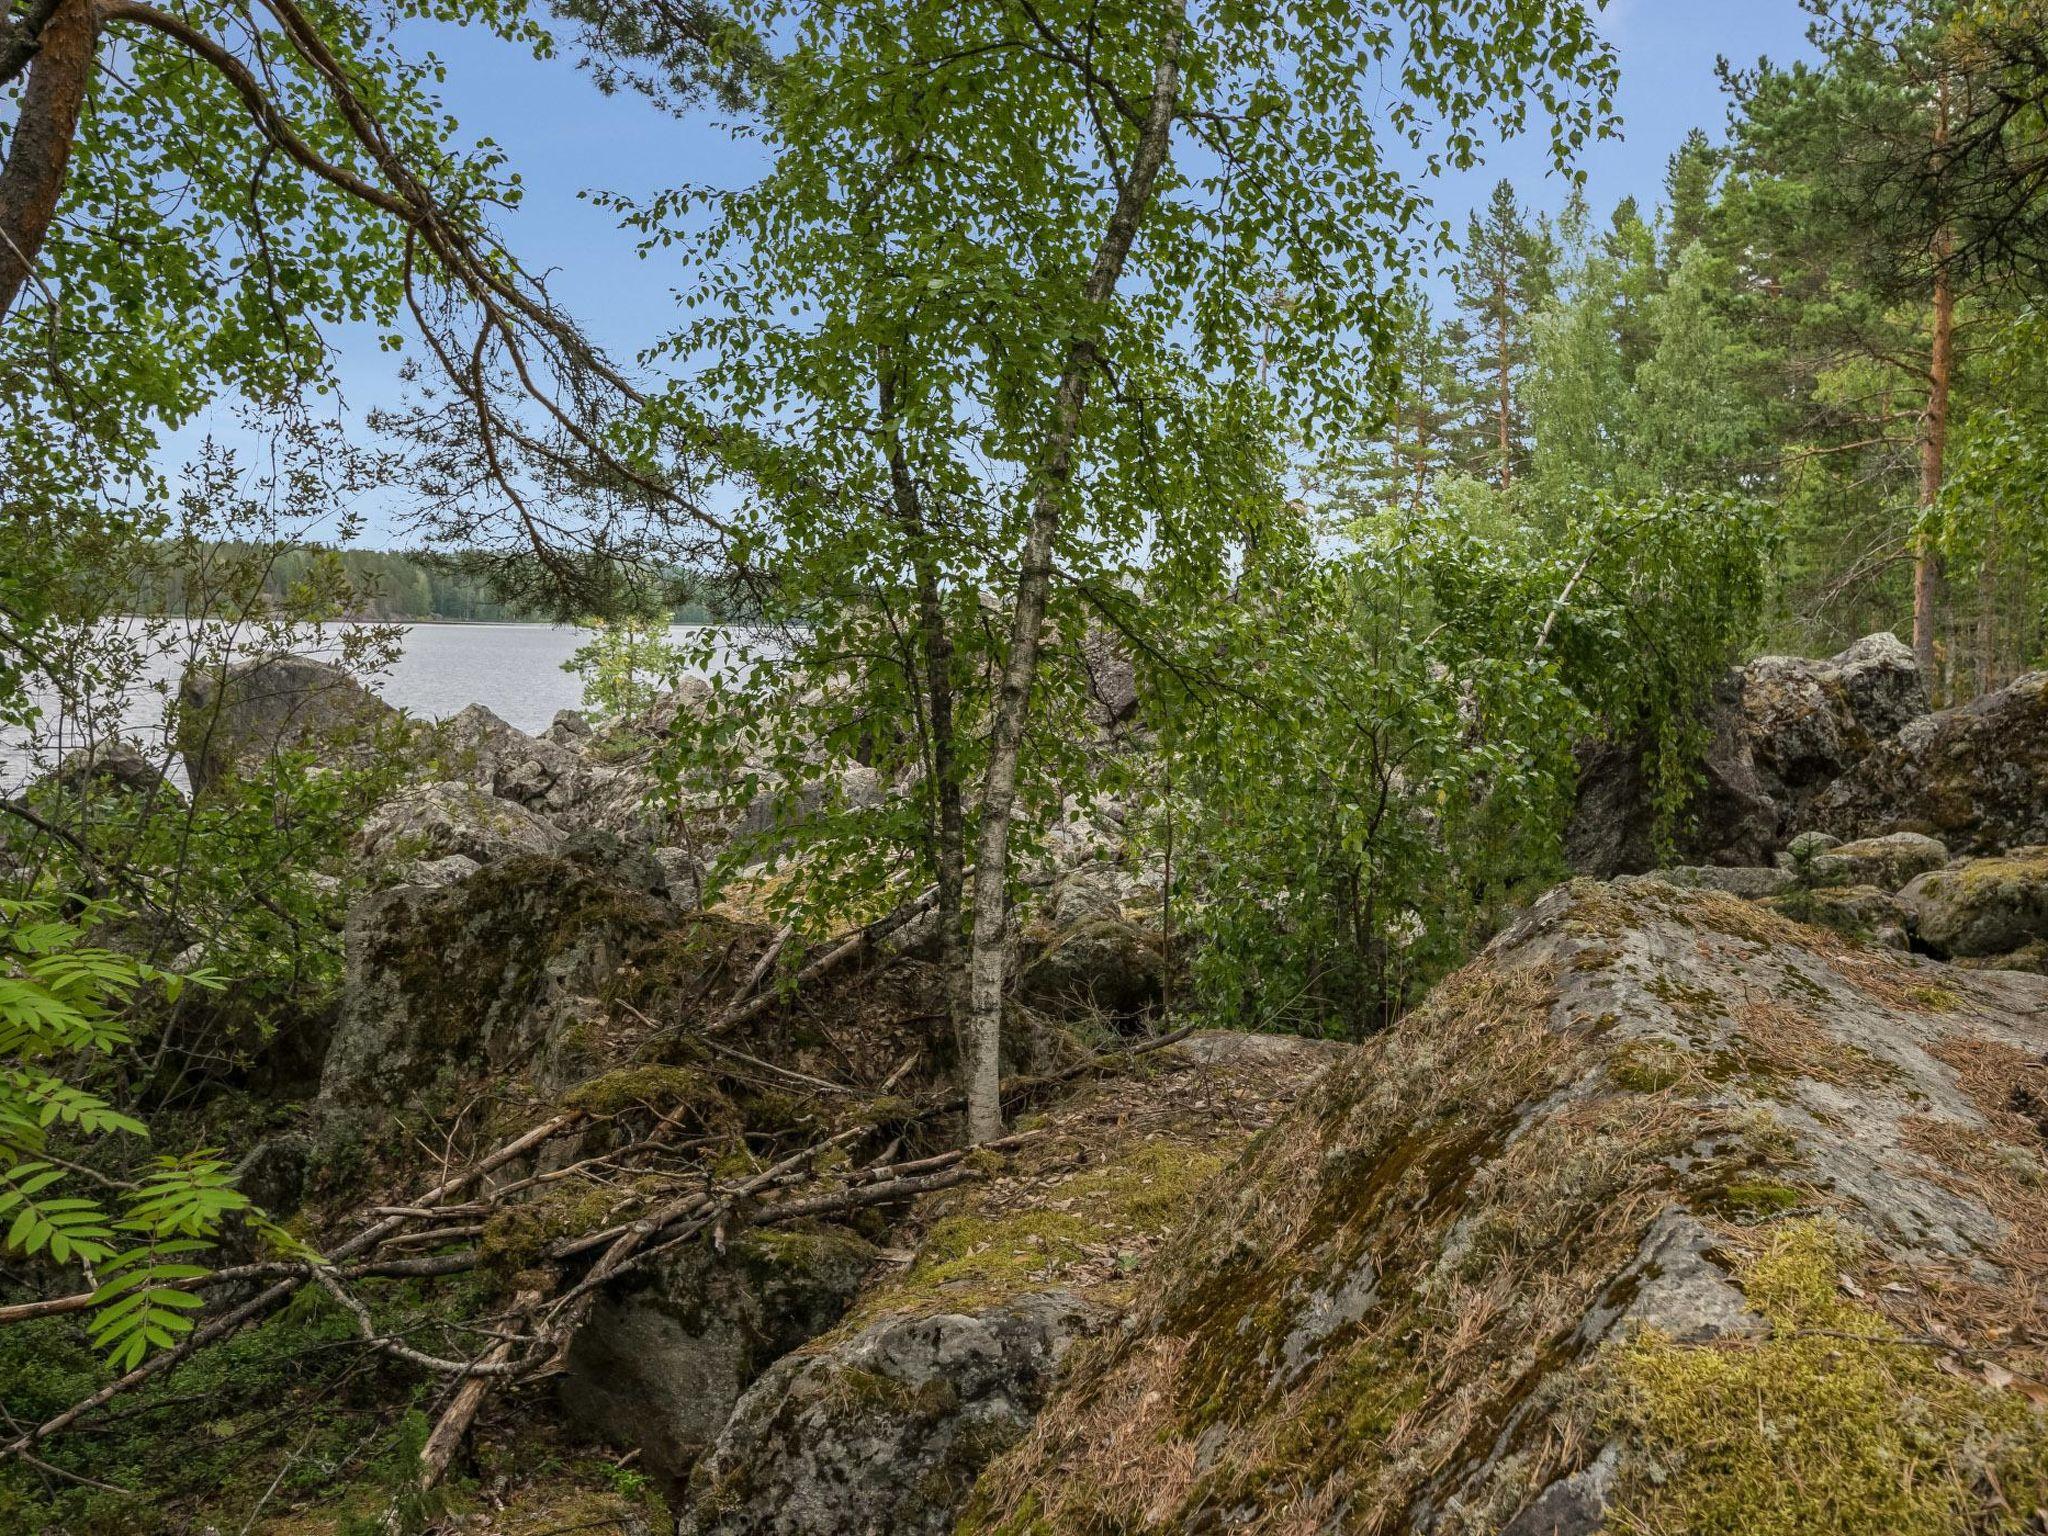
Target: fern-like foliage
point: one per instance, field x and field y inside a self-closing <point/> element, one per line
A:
<point x="61" y="1000"/>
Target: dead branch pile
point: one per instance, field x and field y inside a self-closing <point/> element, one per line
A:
<point x="664" y="1195"/>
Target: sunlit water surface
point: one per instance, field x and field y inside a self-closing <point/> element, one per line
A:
<point x="513" y="670"/>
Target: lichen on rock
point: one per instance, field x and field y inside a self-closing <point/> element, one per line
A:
<point x="1438" y="1295"/>
<point x="884" y="1424"/>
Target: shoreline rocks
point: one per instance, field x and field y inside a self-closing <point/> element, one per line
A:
<point x="231" y="719"/>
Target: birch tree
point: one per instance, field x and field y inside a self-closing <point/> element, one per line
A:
<point x="983" y="343"/>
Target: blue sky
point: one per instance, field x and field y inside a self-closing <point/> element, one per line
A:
<point x="566" y="138"/>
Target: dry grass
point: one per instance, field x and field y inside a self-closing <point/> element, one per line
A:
<point x="1776" y="1040"/>
<point x="1487" y="1233"/>
<point x="2002" y="1317"/>
<point x="1886" y="977"/>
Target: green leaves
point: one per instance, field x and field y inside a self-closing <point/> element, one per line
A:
<point x="1395" y="766"/>
<point x="876" y="328"/>
<point x="57" y="999"/>
<point x="625" y="665"/>
<point x="140" y="1303"/>
<point x="140" y="1307"/>
<point x="70" y="1229"/>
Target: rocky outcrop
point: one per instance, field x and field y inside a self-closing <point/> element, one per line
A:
<point x="231" y="719"/>
<point x="1887" y="862"/>
<point x="662" y="1359"/>
<point x="1809" y="721"/>
<point x="885" y="1435"/>
<point x="114" y="766"/>
<point x="1780" y="731"/>
<point x="1656" y="1217"/>
<point x="1754" y="882"/>
<point x="1112" y="677"/>
<point x="1971" y="776"/>
<point x="882" y="1426"/>
<point x="439" y="820"/>
<point x="493" y="974"/>
<point x="532" y="771"/>
<point x="1982" y="907"/>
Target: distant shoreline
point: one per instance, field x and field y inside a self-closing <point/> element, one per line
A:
<point x="124" y="618"/>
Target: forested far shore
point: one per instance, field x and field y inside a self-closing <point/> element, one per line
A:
<point x="380" y="586"/>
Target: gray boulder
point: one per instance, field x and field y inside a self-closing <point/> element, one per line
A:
<point x="1093" y="890"/>
<point x="500" y="972"/>
<point x="660" y="719"/>
<point x="1972" y="776"/>
<point x="663" y="1357"/>
<point x="1780" y="731"/>
<point x="1887" y="862"/>
<point x="230" y="720"/>
<point x="532" y="771"/>
<point x="1809" y="721"/>
<point x="850" y="787"/>
<point x="1731" y="820"/>
<point x="1982" y="906"/>
<point x="570" y="728"/>
<point x="114" y="766"/>
<point x="884" y="1432"/>
<point x="449" y="870"/>
<point x="1112" y="677"/>
<point x="442" y="820"/>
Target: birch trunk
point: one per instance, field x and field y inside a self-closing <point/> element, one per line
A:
<point x="988" y="959"/>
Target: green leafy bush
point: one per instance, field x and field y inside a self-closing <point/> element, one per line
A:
<point x="61" y="1003"/>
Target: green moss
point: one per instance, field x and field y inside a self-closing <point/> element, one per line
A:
<point x="1832" y="1425"/>
<point x="1823" y="909"/>
<point x="1935" y="999"/>
<point x="1353" y="1406"/>
<point x="778" y="1253"/>
<point x="1979" y="876"/>
<point x="979" y="1256"/>
<point x="1651" y="1066"/>
<point x="1739" y="1176"/>
<point x="884" y="1109"/>
<point x="516" y="1237"/>
<point x="661" y="1089"/>
<point x="1699" y="1003"/>
<point x="1754" y="1199"/>
<point x="994" y="1255"/>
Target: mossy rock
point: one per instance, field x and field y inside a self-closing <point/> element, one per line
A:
<point x="1982" y="906"/>
<point x="1523" y="1263"/>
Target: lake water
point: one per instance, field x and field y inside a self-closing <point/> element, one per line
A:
<point x="513" y="670"/>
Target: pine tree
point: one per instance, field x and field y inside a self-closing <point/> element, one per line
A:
<point x="1436" y="425"/>
<point x="1689" y="186"/>
<point x="1855" y="225"/>
<point x="1501" y="280"/>
<point x="1630" y="247"/>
